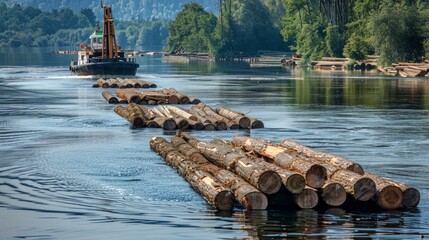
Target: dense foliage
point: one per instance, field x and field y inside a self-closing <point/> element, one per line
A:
<point x="29" y="26"/>
<point x="395" y="30"/>
<point x="241" y="28"/>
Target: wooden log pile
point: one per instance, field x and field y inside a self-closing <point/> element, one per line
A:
<point x="405" y="69"/>
<point x="199" y="117"/>
<point x="153" y="97"/>
<point x="260" y="174"/>
<point x="123" y="83"/>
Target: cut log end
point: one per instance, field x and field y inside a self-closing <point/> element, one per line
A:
<point x="224" y="201"/>
<point x="169" y="124"/>
<point x="364" y="189"/>
<point x="257" y="124"/>
<point x="307" y="199"/>
<point x="269" y="182"/>
<point x="295" y="183"/>
<point x="316" y="176"/>
<point x="356" y="168"/>
<point x="173" y="99"/>
<point x="411" y="197"/>
<point x="390" y="197"/>
<point x="333" y="194"/>
<point x="221" y="126"/>
<point x="138" y="122"/>
<point x="255" y="201"/>
<point x="210" y="127"/>
<point x="198" y="126"/>
<point x="152" y="124"/>
<point x="183" y="124"/>
<point x="244" y="122"/>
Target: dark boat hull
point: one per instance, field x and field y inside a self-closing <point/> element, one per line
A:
<point x="105" y="68"/>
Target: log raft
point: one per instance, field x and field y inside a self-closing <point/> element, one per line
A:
<point x="205" y="183"/>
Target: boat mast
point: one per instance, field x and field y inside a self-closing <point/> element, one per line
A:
<point x="109" y="49"/>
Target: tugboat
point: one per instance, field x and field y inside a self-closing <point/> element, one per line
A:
<point x="103" y="56"/>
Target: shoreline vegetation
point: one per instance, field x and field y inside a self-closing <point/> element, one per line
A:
<point x="323" y="34"/>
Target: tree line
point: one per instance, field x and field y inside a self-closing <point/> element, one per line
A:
<point x="32" y="27"/>
<point x="397" y="30"/>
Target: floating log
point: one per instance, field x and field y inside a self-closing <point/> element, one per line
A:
<point x="133" y="118"/>
<point x="182" y="113"/>
<point x="129" y="95"/>
<point x="342" y="163"/>
<point x="333" y="194"/>
<point x="292" y="182"/>
<point x="205" y="118"/>
<point x="306" y="199"/>
<point x="247" y="195"/>
<point x="205" y="183"/>
<point x="241" y="120"/>
<point x="180" y="122"/>
<point x="109" y="97"/>
<point x="360" y="187"/>
<point x="267" y="181"/>
<point x="228" y="124"/>
<point x="183" y="99"/>
<point x="102" y="83"/>
<point x="314" y="174"/>
<point x="388" y="196"/>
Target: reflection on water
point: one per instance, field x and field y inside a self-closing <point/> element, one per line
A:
<point x="71" y="168"/>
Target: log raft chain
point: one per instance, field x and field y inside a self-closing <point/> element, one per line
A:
<point x="259" y="174"/>
<point x="247" y="172"/>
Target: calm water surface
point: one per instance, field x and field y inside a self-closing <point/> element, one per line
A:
<point x="70" y="168"/>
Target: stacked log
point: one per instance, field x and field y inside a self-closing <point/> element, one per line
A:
<point x="256" y="179"/>
<point x="205" y="183"/>
<point x="162" y="96"/>
<point x="200" y="117"/>
<point x="123" y="83"/>
<point x="406" y="69"/>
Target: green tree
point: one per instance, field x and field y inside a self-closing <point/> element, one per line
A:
<point x="192" y="29"/>
<point x="397" y="34"/>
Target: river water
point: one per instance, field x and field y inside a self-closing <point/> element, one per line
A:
<point x="70" y="168"/>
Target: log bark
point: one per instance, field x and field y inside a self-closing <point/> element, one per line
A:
<point x="247" y="195"/>
<point x="206" y="123"/>
<point x="358" y="186"/>
<point x="205" y="183"/>
<point x="109" y="97"/>
<point x="182" y="113"/>
<point x="241" y="120"/>
<point x="342" y="163"/>
<point x="180" y="122"/>
<point x="133" y="118"/>
<point x="102" y="83"/>
<point x="129" y="95"/>
<point x="292" y="182"/>
<point x="220" y="125"/>
<point x="333" y="194"/>
<point x="183" y="99"/>
<point x="315" y="174"/>
<point x="225" y="122"/>
<point x="267" y="181"/>
<point x="388" y="196"/>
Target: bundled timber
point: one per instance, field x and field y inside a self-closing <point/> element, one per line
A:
<point x="239" y="118"/>
<point x="215" y="167"/>
<point x="267" y="181"/>
<point x="360" y="187"/>
<point x="292" y="182"/>
<point x="389" y="194"/>
<point x="247" y="195"/>
<point x="109" y="97"/>
<point x="129" y="95"/>
<point x="406" y="69"/>
<point x="135" y="119"/>
<point x="205" y="183"/>
<point x="218" y="118"/>
<point x="293" y="147"/>
<point x="123" y="83"/>
<point x="314" y="174"/>
<point x="209" y="122"/>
